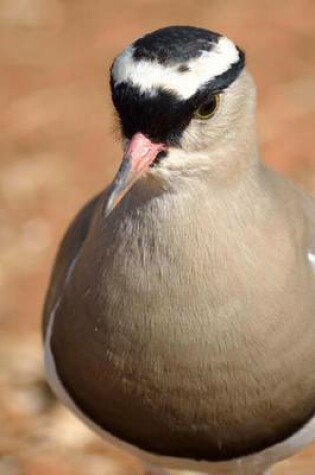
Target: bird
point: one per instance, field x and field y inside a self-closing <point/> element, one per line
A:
<point x="179" y="321"/>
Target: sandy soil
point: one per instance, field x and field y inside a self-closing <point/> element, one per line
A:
<point x="59" y="146"/>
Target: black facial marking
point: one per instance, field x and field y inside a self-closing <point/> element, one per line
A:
<point x="161" y="114"/>
<point x="174" y="44"/>
<point x="164" y="116"/>
<point x="161" y="117"/>
<point x="183" y="68"/>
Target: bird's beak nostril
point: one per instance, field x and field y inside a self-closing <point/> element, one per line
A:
<point x="139" y="155"/>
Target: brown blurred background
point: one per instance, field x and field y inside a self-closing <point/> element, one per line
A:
<point x="59" y="146"/>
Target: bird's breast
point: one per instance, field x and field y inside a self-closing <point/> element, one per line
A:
<point x="181" y="345"/>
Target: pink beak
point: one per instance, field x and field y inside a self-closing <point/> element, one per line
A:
<point x="139" y="155"/>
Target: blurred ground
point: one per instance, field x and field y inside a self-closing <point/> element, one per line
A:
<point x="58" y="146"/>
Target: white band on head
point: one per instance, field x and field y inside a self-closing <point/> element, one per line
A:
<point x="148" y="75"/>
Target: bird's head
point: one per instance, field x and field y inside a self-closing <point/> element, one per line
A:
<point x="183" y="97"/>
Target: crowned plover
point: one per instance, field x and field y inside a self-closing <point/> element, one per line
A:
<point x="180" y="318"/>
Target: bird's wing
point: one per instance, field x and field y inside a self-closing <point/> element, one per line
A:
<point x="67" y="253"/>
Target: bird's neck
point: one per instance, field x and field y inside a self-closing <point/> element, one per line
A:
<point x="231" y="159"/>
<point x="225" y="186"/>
<point x="172" y="222"/>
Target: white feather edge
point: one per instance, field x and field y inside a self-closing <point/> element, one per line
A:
<point x="150" y="75"/>
<point x="311" y="258"/>
<point x="262" y="460"/>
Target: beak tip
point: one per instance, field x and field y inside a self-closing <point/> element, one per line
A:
<point x="139" y="155"/>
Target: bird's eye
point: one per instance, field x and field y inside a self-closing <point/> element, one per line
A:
<point x="208" y="108"/>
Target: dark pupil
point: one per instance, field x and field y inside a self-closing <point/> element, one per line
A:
<point x="208" y="107"/>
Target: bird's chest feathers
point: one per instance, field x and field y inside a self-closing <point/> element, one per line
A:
<point x="171" y="254"/>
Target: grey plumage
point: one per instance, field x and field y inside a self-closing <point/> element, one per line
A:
<point x="184" y="321"/>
